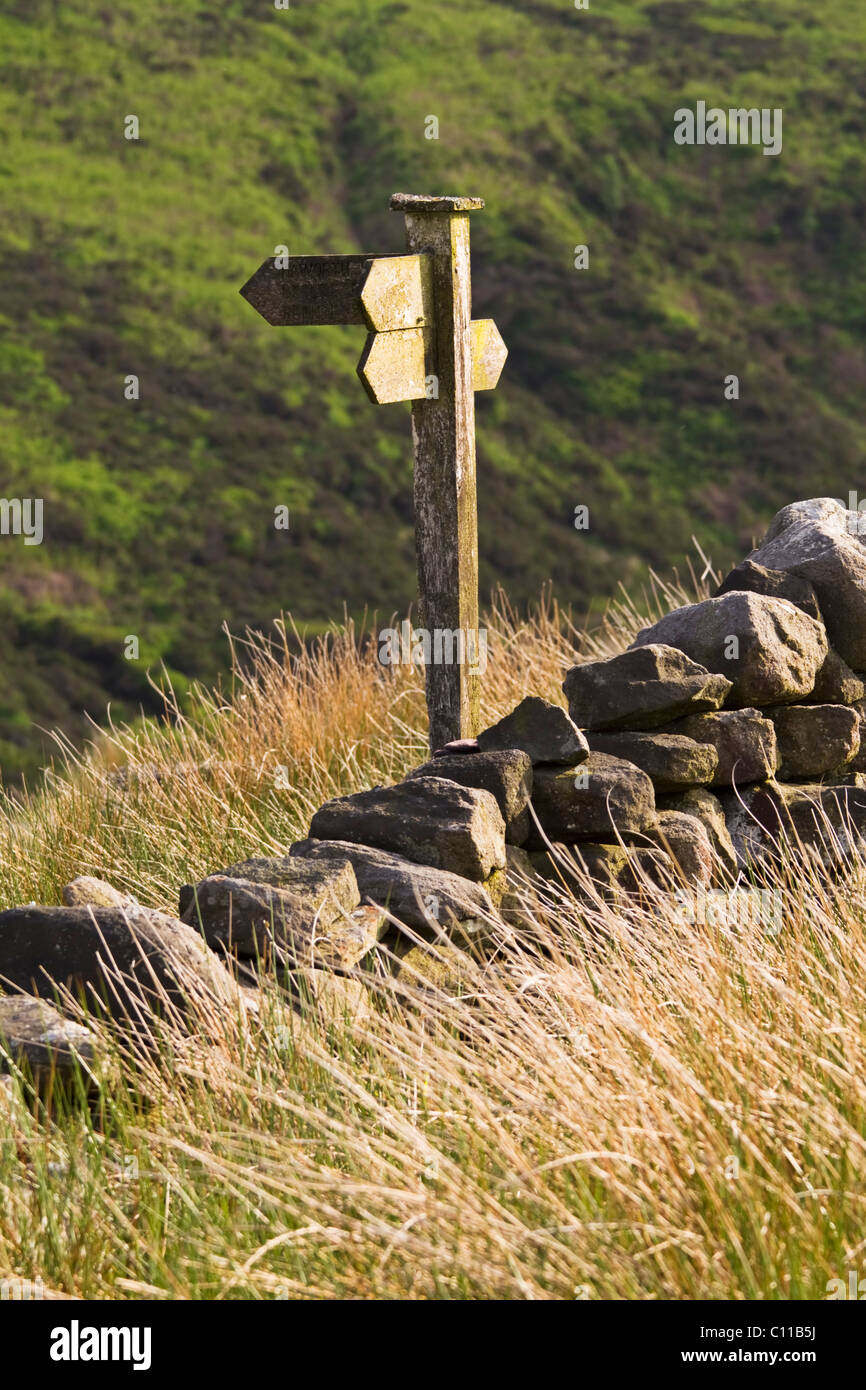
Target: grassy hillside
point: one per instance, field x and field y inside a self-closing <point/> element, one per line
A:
<point x="260" y="127"/>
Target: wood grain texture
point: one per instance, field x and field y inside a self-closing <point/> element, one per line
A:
<point x="443" y="432"/>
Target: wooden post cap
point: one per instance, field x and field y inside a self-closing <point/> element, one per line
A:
<point x="422" y="202"/>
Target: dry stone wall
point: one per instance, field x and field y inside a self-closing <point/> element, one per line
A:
<point x="730" y="729"/>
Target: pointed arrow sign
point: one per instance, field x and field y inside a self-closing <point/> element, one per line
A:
<point x="488" y="354"/>
<point x="309" y="290"/>
<point x="383" y="292"/>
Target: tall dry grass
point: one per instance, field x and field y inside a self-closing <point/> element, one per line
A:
<point x="614" y="1104"/>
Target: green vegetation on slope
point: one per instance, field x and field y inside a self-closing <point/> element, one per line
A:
<point x="260" y="127"/>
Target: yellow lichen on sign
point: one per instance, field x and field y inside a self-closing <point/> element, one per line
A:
<point x="392" y="366"/>
<point x="488" y="354"/>
<point x="396" y="293"/>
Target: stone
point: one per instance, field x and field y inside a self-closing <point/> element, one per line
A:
<point x="685" y="840"/>
<point x="563" y="864"/>
<point x="844" y="777"/>
<point x="331" y="1000"/>
<point x="744" y="740"/>
<point x="428" y="820"/>
<point x="819" y="540"/>
<point x="541" y="729"/>
<point x="648" y="871"/>
<point x="369" y="921"/>
<point x="601" y="799"/>
<point x="671" y="761"/>
<point x="518" y="864"/>
<point x="496" y="884"/>
<point x="699" y="802"/>
<point x="258" y="921"/>
<point x="35" y="1036"/>
<point x="443" y="968"/>
<point x="428" y="900"/>
<point x="779" y="651"/>
<point x="767" y="817"/>
<point x="603" y="863"/>
<point x="549" y="865"/>
<point x="641" y="689"/>
<point x="751" y="835"/>
<point x="611" y="869"/>
<point x="836" y="683"/>
<point x="504" y="772"/>
<point x="542" y="861"/>
<point x="457" y="745"/>
<point x="95" y="892"/>
<point x="815" y="739"/>
<point x="858" y="762"/>
<point x="813" y="509"/>
<point x="757" y="579"/>
<point x="522" y="880"/>
<point x="114" y="958"/>
<point x="326" y="892"/>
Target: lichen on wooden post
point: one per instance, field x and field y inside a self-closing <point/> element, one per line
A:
<point x="443" y="432"/>
<point x="422" y="347"/>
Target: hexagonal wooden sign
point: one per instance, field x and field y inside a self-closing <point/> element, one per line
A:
<point x="488" y="354"/>
<point x="392" y="366"/>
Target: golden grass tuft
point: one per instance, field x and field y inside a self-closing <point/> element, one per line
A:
<point x="616" y="1105"/>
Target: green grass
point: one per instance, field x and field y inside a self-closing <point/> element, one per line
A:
<point x="261" y="127"/>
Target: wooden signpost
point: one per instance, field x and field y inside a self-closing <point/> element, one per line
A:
<point x="423" y="346"/>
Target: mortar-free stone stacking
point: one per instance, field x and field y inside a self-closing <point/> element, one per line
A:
<point x="763" y="676"/>
<point x="730" y="730"/>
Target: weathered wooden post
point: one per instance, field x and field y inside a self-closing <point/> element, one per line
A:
<point x="424" y="347"/>
<point x="443" y="433"/>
